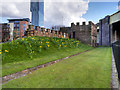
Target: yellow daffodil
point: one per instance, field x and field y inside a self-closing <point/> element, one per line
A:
<point x="65" y="46"/>
<point x="6" y="51"/>
<point x="48" y="45"/>
<point x="23" y="39"/>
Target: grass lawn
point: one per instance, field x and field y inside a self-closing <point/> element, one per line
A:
<point x="33" y="51"/>
<point x="88" y="70"/>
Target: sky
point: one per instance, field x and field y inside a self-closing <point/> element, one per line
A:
<point x="60" y="12"/>
<point x="98" y="10"/>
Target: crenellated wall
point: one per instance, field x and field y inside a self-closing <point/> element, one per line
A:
<point x="84" y="33"/>
<point x="40" y="31"/>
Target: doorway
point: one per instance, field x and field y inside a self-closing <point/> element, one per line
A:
<point x="74" y="35"/>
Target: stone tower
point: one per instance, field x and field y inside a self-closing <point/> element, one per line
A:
<point x="37" y="9"/>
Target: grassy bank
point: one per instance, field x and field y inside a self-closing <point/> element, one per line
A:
<point x="88" y="70"/>
<point x="32" y="51"/>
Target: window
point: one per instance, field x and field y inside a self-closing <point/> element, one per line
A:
<point x="18" y="29"/>
<point x="17" y="33"/>
<point x="16" y="21"/>
<point x="24" y="27"/>
<point x="14" y="25"/>
<point x="8" y="25"/>
<point x="17" y="25"/>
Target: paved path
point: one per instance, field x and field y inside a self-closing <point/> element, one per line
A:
<point x="115" y="82"/>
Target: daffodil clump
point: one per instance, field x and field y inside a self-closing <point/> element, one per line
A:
<point x="32" y="47"/>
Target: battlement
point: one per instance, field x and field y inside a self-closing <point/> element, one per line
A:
<point x="41" y="31"/>
<point x="83" y="23"/>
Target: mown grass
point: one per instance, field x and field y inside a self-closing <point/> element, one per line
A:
<point x="88" y="70"/>
<point x="32" y="51"/>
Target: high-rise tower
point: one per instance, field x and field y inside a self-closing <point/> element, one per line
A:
<point x="119" y="6"/>
<point x="37" y="9"/>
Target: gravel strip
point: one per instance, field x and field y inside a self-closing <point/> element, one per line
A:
<point x="114" y="83"/>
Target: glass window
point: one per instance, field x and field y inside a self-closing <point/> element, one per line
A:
<point x="8" y="25"/>
<point x="17" y="29"/>
<point x="17" y="33"/>
<point x="24" y="27"/>
<point x="16" y="21"/>
<point x="17" y="25"/>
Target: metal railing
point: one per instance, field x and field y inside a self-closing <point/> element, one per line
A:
<point x="116" y="52"/>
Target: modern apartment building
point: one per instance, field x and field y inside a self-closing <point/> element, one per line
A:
<point x="20" y="26"/>
<point x="4" y="32"/>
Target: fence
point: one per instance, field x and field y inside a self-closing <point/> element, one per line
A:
<point x="116" y="52"/>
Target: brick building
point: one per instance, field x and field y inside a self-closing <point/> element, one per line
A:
<point x="84" y="33"/>
<point x="4" y="32"/>
<point x="20" y="26"/>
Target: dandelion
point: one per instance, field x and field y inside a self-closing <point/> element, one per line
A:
<point x="65" y="46"/>
<point x="0" y="52"/>
<point x="6" y="51"/>
<point x="48" y="45"/>
<point x="40" y="42"/>
<point x="60" y="45"/>
<point x="33" y="38"/>
<point x="47" y="42"/>
<point x="23" y="39"/>
<point x="40" y="46"/>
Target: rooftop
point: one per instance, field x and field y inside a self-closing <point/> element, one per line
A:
<point x="24" y="19"/>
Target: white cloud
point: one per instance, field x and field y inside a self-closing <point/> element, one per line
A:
<point x="57" y="12"/>
<point x="65" y="12"/>
<point x="15" y="9"/>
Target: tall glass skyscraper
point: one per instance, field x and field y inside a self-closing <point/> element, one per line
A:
<point x="119" y="6"/>
<point x="37" y="9"/>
